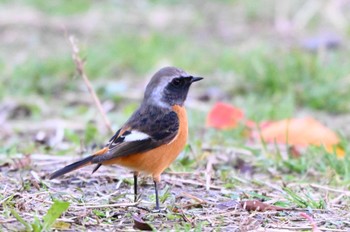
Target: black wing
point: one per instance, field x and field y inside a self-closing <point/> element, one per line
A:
<point x="159" y="125"/>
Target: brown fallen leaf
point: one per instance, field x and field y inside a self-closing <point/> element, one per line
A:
<point x="255" y="205"/>
<point x="301" y="132"/>
<point x="141" y="224"/>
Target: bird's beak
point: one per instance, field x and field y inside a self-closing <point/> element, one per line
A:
<point x="194" y="79"/>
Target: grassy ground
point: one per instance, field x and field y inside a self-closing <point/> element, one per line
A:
<point x="273" y="59"/>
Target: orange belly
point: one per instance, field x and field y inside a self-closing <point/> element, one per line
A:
<point x="155" y="161"/>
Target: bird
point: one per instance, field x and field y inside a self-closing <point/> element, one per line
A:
<point x="154" y="135"/>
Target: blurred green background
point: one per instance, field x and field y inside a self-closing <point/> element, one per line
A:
<point x="273" y="59"/>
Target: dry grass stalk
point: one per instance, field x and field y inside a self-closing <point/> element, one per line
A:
<point x="79" y="63"/>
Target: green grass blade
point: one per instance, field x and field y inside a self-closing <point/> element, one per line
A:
<point x="21" y="220"/>
<point x="55" y="211"/>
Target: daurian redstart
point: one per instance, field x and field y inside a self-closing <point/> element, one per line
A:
<point x="154" y="135"/>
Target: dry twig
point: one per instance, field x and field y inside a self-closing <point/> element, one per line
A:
<point x="208" y="172"/>
<point x="79" y="63"/>
<point x="97" y="206"/>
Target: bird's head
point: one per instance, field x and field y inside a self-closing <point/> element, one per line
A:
<point x="168" y="87"/>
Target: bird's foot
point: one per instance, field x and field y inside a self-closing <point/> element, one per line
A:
<point x="159" y="210"/>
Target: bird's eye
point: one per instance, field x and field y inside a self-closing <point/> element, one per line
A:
<point x="177" y="82"/>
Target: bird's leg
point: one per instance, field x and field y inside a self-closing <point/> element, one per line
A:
<point x="156" y="181"/>
<point x="135" y="186"/>
<point x="157" y="198"/>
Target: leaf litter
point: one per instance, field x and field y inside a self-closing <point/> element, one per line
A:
<point x="104" y="201"/>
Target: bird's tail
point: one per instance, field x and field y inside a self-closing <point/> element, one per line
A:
<point x="72" y="167"/>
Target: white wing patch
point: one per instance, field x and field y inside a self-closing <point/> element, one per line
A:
<point x="136" y="136"/>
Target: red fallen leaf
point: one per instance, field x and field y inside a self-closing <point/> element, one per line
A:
<point x="255" y="205"/>
<point x="224" y="116"/>
<point x="301" y="132"/>
<point x="141" y="224"/>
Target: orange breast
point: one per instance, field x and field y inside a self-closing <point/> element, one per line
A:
<point x="155" y="161"/>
